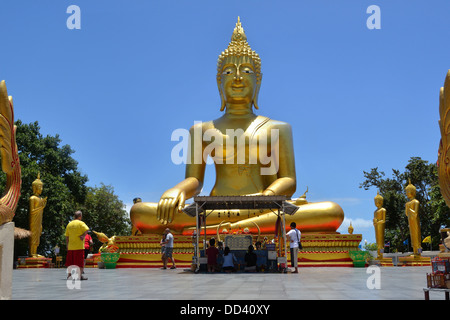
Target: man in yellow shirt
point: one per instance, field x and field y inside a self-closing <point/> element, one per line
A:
<point x="76" y="230"/>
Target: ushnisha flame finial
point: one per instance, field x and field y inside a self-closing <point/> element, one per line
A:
<point x="238" y="32"/>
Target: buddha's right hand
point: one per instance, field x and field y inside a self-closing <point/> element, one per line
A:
<point x="171" y="201"/>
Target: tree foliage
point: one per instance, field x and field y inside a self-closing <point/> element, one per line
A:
<point x="64" y="186"/>
<point x="433" y="211"/>
<point x="104" y="212"/>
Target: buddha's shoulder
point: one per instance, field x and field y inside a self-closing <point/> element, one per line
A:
<point x="203" y="125"/>
<point x="277" y="124"/>
<point x="260" y="121"/>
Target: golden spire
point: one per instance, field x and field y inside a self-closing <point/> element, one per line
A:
<point x="238" y="32"/>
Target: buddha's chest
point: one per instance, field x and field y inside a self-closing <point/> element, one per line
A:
<point x="237" y="146"/>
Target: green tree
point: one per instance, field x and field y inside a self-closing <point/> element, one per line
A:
<point x="64" y="185"/>
<point x="434" y="213"/>
<point x="65" y="188"/>
<point x="104" y="212"/>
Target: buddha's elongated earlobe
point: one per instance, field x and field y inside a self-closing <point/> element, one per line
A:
<point x="222" y="107"/>
<point x="255" y="103"/>
<point x="255" y="98"/>
<point x="222" y="99"/>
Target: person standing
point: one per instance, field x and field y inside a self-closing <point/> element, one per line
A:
<point x="294" y="236"/>
<point x="162" y="243"/>
<point x="212" y="253"/>
<point x="88" y="243"/>
<point x="76" y="231"/>
<point x="168" y="250"/>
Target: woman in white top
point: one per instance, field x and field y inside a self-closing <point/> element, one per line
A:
<point x="228" y="260"/>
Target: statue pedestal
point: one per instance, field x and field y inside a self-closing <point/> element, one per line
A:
<point x="443" y="252"/>
<point x="145" y="251"/>
<point x="92" y="260"/>
<point x="6" y="259"/>
<point x="327" y="250"/>
<point x="319" y="250"/>
<point x="383" y="262"/>
<point x="445" y="255"/>
<point x="414" y="261"/>
<point x="35" y="262"/>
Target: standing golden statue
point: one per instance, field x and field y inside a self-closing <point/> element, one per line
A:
<point x="444" y="145"/>
<point x="412" y="212"/>
<point x="379" y="222"/>
<point x="37" y="205"/>
<point x="263" y="164"/>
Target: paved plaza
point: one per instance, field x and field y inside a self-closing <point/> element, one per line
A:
<point x="325" y="283"/>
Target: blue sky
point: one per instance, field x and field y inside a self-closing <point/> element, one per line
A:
<point x="117" y="88"/>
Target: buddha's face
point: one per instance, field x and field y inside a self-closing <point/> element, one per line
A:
<point x="410" y="193"/>
<point x="238" y="81"/>
<point x="37" y="189"/>
<point x="378" y="202"/>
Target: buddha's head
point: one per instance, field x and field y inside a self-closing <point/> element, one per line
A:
<point x="378" y="200"/>
<point x="410" y="190"/>
<point x="239" y="72"/>
<point x="37" y="186"/>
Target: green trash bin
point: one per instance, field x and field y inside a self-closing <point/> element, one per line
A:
<point x="110" y="259"/>
<point x="359" y="258"/>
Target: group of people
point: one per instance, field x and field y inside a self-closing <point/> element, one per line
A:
<point x="219" y="258"/>
<point x="79" y="242"/>
<point x="79" y="245"/>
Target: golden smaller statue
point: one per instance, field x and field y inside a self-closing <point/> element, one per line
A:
<point x="350" y="228"/>
<point x="37" y="205"/>
<point x="412" y="212"/>
<point x="379" y="222"/>
<point x="109" y="244"/>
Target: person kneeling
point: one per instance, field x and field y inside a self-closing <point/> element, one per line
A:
<point x="250" y="260"/>
<point x="229" y="260"/>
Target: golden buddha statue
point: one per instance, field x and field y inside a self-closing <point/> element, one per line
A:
<point x="444" y="143"/>
<point x="412" y="212"/>
<point x="37" y="205"/>
<point x="260" y="163"/>
<point x="379" y="222"/>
